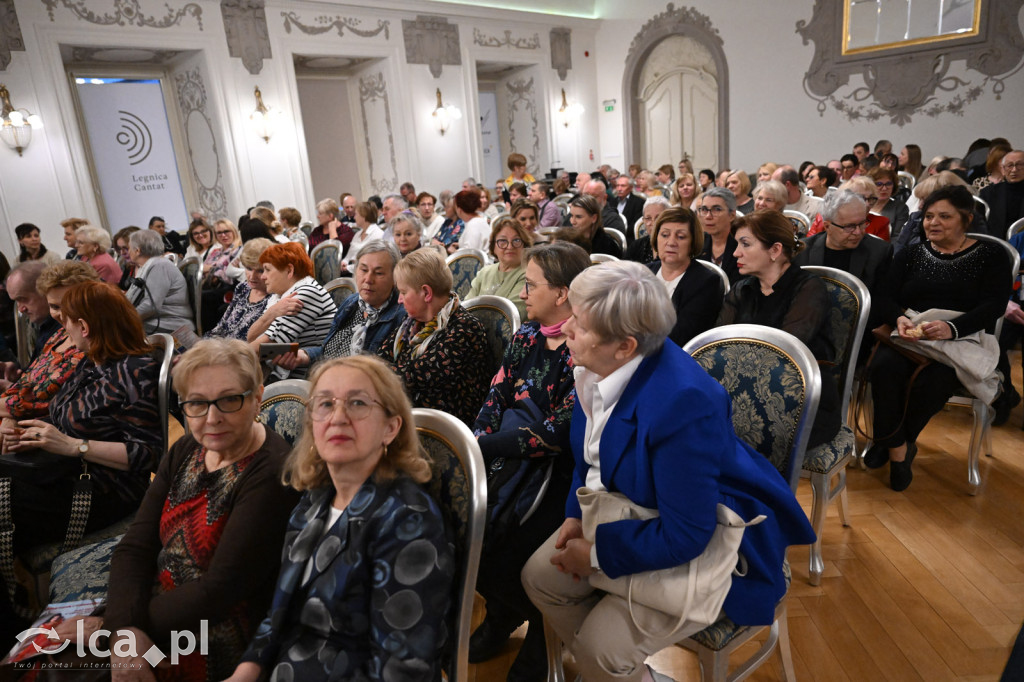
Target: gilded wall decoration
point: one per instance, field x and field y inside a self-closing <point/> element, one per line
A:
<point x="128" y="13"/>
<point x="245" y="27"/>
<point x="323" y="24"/>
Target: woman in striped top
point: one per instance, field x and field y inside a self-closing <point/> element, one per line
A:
<point x="301" y="312"/>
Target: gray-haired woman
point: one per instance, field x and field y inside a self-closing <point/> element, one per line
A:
<point x="159" y="291"/>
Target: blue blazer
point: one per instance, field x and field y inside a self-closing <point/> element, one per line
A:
<point x="376" y="603"/>
<point x="669" y="445"/>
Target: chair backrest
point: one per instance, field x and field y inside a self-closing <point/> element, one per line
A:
<point x="800" y="220"/>
<point x="307" y="228"/>
<point x="464" y="264"/>
<point x="25" y="336"/>
<point x="341" y="288"/>
<point x="726" y="284"/>
<point x="619" y="237"/>
<point x="848" y="318"/>
<point x="163" y="345"/>
<point x="500" y="319"/>
<point x="906" y="180"/>
<point x="982" y="204"/>
<point x="192" y="270"/>
<point x="1013" y="257"/>
<point x="284" y="407"/>
<point x="326" y="257"/>
<point x="1014" y="228"/>
<point x="638" y="228"/>
<point x="562" y="200"/>
<point x="459" y="486"/>
<point x="775" y="384"/>
<point x="596" y="258"/>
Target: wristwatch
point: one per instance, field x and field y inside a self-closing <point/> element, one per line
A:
<point x="83" y="448"/>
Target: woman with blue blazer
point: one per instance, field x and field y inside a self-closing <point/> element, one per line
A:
<point x="651" y="424"/>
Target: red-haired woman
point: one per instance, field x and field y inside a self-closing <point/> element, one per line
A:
<point x="302" y="312"/>
<point x="103" y="422"/>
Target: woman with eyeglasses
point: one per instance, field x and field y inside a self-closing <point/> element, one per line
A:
<point x="775" y="292"/>
<point x="206" y="542"/>
<point x="200" y="239"/>
<point x="127" y="265"/>
<point x="523" y="431"/>
<point x="365" y="584"/>
<point x="888" y="205"/>
<point x="504" y="278"/>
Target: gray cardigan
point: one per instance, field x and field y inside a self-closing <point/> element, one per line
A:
<point x="163" y="303"/>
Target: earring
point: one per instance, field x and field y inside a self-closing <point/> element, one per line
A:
<point x="258" y="419"/>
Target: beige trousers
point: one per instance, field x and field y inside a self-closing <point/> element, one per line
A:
<point x="596" y="626"/>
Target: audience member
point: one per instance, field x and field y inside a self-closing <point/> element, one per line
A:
<point x="159" y="292"/>
<point x="820" y="180"/>
<point x="200" y="239"/>
<point x="505" y="277"/>
<point x="628" y="205"/>
<point x="250" y="298"/>
<point x="910" y="161"/>
<point x="173" y="241"/>
<point x="888" y="205"/>
<point x="770" y="195"/>
<point x="407" y="230"/>
<point x="849" y="166"/>
<point x="528" y="215"/>
<point x="467" y="208"/>
<point x="641" y="250"/>
<point x="585" y="215"/>
<point x="70" y="225"/>
<point x="717" y="210"/>
<point x="550" y="215"/>
<point x="432" y="220"/>
<point x="128" y="268"/>
<point x="329" y="226"/>
<point x="92" y="244"/>
<point x="739" y="184"/>
<point x="21" y="287"/>
<point x="796" y="200"/>
<point x="32" y="247"/>
<point x="1006" y="199"/>
<point x="366" y="230"/>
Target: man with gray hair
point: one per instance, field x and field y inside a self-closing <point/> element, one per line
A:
<point x="470" y="183"/>
<point x="21" y="287"/>
<point x="796" y="200"/>
<point x="392" y="205"/>
<point x="845" y="245"/>
<point x="628" y="205"/>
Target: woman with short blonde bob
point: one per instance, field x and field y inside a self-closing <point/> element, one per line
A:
<point x="770" y="195"/>
<point x="509" y="240"/>
<point x="440" y="350"/>
<point x="339" y="614"/>
<point x="739" y="183"/>
<point x="92" y="244"/>
<point x="630" y="437"/>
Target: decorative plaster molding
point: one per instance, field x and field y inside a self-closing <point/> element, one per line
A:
<point x="128" y="13"/>
<point x="96" y="55"/>
<point x="561" y="51"/>
<point x="690" y="23"/>
<point x="336" y="23"/>
<point x="902" y="81"/>
<point x="483" y="40"/>
<point x="10" y="33"/>
<point x="192" y="103"/>
<point x="432" y="41"/>
<point x="245" y="27"/>
<point x="372" y="88"/>
<point x="522" y="100"/>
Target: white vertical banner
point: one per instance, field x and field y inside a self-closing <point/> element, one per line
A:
<point x="133" y="154"/>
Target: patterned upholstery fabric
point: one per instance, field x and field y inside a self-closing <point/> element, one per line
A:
<point x="339" y="292"/>
<point x="326" y="262"/>
<point x="767" y="392"/>
<point x="191" y="271"/>
<point x="499" y="330"/>
<point x="464" y="269"/>
<point x="38" y="559"/>
<point x="82" y="573"/>
<point x="823" y="458"/>
<point x="843" y="324"/>
<point x="716" y="636"/>
<point x="284" y="414"/>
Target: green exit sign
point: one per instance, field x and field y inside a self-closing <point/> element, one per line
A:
<point x="610" y="107"/>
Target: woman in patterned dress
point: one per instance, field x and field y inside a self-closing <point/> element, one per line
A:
<point x="379" y="609"/>
<point x="524" y="427"/>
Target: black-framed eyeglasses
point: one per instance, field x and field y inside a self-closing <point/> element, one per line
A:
<point x="503" y="243"/>
<point x="225" y="404"/>
<point x="322" y="407"/>
<point x="708" y="210"/>
<point x="221" y="233"/>
<point x="527" y="284"/>
<point x="851" y="227"/>
<point x="882" y="184"/>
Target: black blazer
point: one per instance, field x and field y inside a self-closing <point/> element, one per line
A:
<point x="632" y="212"/>
<point x="728" y="258"/>
<point x="697" y="300"/>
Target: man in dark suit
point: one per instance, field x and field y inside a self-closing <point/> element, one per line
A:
<point x="845" y="245"/>
<point x="1006" y="199"/>
<point x="627" y="204"/>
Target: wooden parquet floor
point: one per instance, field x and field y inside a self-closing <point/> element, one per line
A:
<point x="927" y="584"/>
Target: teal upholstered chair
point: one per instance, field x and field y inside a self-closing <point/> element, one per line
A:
<point x="458" y="483"/>
<point x="500" y="319"/>
<point x="341" y="288"/>
<point x="851" y="306"/>
<point x="775" y="384"/>
<point x="192" y="270"/>
<point x="326" y="257"/>
<point x="284" y="408"/>
<point x="83" y="573"/>
<point x="464" y="264"/>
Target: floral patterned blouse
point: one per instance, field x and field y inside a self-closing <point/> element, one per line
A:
<point x="219" y="258"/>
<point x="451" y="231"/>
<point x="530" y="371"/>
<point x="240" y="314"/>
<point x="29" y="397"/>
<point x="115" y="402"/>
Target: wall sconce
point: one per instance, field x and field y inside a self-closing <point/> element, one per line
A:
<point x="16" y="124"/>
<point x="569" y="113"/>
<point x="263" y="120"/>
<point x="444" y="114"/>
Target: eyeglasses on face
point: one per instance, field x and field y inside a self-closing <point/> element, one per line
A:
<point x="1013" y="165"/>
<point x="322" y="407"/>
<point x="221" y="233"/>
<point x="528" y="285"/>
<point x="882" y="184"/>
<point x="503" y="243"/>
<point x="225" y="404"/>
<point x="708" y="210"/>
<point x="852" y="226"/>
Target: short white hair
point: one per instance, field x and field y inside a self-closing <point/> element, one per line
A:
<point x="90" y="234"/>
<point x="623" y="299"/>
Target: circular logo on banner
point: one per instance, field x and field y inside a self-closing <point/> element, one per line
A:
<point x="135" y="137"/>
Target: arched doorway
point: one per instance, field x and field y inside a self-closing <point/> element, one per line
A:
<point x="675" y="92"/>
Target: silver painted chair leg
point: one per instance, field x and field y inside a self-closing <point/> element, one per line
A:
<point x="819" y="507"/>
<point x="554" y="648"/>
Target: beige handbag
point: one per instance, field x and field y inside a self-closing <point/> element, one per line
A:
<point x="695" y="590"/>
